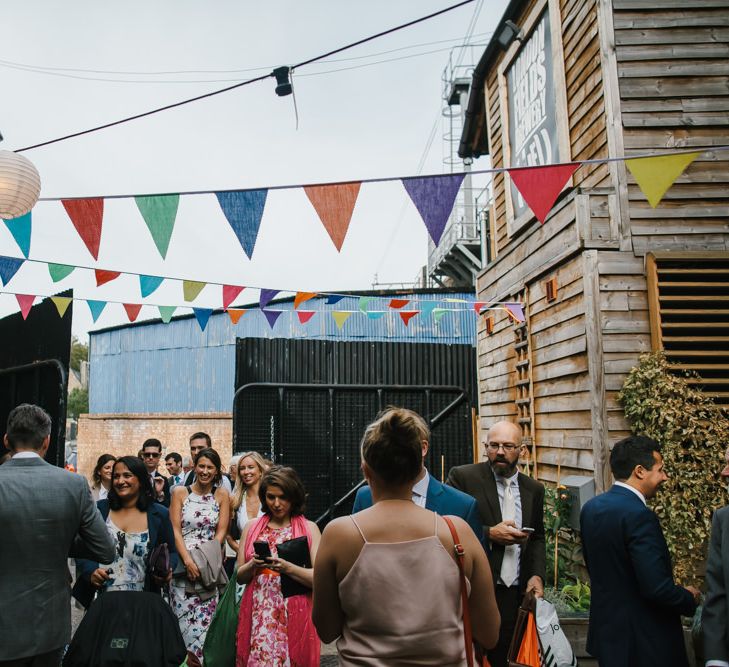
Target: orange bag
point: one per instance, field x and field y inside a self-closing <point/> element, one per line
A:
<point x="529" y="649"/>
<point x="524" y="648"/>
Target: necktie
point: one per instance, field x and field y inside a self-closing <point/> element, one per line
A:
<point x="511" y="551"/>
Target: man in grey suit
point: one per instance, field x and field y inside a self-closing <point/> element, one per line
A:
<point x="46" y="515"/>
<point x="715" y="617"/>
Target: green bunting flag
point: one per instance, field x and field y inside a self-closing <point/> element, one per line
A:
<point x="159" y="212"/>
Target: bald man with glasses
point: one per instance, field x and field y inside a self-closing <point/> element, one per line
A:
<point x="509" y="503"/>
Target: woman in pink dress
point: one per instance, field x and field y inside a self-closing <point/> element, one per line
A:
<point x="273" y="630"/>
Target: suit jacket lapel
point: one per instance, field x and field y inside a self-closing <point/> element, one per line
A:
<point x="526" y="503"/>
<point x="491" y="493"/>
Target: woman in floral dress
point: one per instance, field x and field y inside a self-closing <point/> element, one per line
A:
<point x="274" y="631"/>
<point x="199" y="513"/>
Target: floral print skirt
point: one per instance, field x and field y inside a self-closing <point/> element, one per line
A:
<point x="193" y="615"/>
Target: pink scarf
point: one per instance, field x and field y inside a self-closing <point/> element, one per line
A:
<point x="304" y="645"/>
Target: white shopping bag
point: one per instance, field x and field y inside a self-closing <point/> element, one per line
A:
<point x="556" y="650"/>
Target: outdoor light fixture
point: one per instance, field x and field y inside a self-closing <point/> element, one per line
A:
<point x="508" y="33"/>
<point x="19" y="185"/>
<point x="283" y="82"/>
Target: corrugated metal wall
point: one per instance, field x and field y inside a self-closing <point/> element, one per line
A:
<point x="175" y="367"/>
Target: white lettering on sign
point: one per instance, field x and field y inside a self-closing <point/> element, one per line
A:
<point x="530" y="91"/>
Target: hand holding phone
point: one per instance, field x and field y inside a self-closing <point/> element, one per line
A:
<point x="262" y="551"/>
<point x="526" y="530"/>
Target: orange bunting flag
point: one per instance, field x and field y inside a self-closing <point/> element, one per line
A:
<point x="62" y="303"/>
<point x="407" y="315"/>
<point x="340" y="317"/>
<point x="87" y="216"/>
<point x="305" y="315"/>
<point x="334" y="205"/>
<point x="399" y="303"/>
<point x="540" y="186"/>
<point x="132" y="310"/>
<point x="301" y="297"/>
<point x="235" y="314"/>
<point x="25" y="301"/>
<point x="103" y="276"/>
<point x="654" y="175"/>
<point x="230" y="292"/>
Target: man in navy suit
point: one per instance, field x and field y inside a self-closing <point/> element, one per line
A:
<point x="636" y="609"/>
<point x="428" y="492"/>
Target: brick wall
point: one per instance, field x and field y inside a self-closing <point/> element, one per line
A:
<point x="123" y="434"/>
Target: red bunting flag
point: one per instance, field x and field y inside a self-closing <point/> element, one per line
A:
<point x="301" y="297"/>
<point x="407" y="315"/>
<point x="334" y="205"/>
<point x="25" y="301"/>
<point x="235" y="314"/>
<point x="132" y="310"/>
<point x="103" y="276"/>
<point x="230" y="292"/>
<point x="305" y="315"/>
<point x="540" y="186"/>
<point x="399" y="303"/>
<point x="478" y="306"/>
<point x="87" y="216"/>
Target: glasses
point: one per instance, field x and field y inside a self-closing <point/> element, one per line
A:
<point x="150" y="455"/>
<point x="492" y="447"/>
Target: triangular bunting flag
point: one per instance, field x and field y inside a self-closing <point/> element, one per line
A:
<point x="165" y="312"/>
<point x="334" y="298"/>
<point x="159" y="212"/>
<point x="305" y="315"/>
<point x="96" y="307"/>
<point x="438" y="314"/>
<point x="103" y="276"/>
<point x="202" y="315"/>
<point x="266" y="297"/>
<point x="235" y="314"/>
<point x="364" y="302"/>
<point x="25" y="301"/>
<point x="148" y="284"/>
<point x="62" y="303"/>
<point x="478" y="306"/>
<point x="301" y="297"/>
<point x="427" y="307"/>
<point x="8" y="268"/>
<point x="191" y="289"/>
<point x="540" y="186"/>
<point x="334" y="205"/>
<point x="87" y="217"/>
<point x="20" y="228"/>
<point x="230" y="292"/>
<point x="375" y="314"/>
<point x="340" y="317"/>
<point x="272" y="316"/>
<point x="654" y="175"/>
<point x="451" y="300"/>
<point x="59" y="271"/>
<point x="243" y="210"/>
<point x="515" y="310"/>
<point x="434" y="197"/>
<point x="407" y="315"/>
<point x="399" y="303"/>
<point x="132" y="310"/>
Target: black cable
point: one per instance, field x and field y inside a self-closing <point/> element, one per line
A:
<point x="245" y="83"/>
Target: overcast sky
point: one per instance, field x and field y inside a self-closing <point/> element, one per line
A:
<point x="366" y="122"/>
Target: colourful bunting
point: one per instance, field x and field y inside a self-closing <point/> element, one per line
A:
<point x="515" y="310"/>
<point x="132" y="310"/>
<point x="340" y="317"/>
<point x="540" y="186"/>
<point x="427" y="307"/>
<point x="334" y="298"/>
<point x="202" y="315"/>
<point x="191" y="289"/>
<point x="25" y="301"/>
<point x="96" y="307"/>
<point x="159" y="213"/>
<point x="654" y="175"/>
<point x="438" y="314"/>
<point x="103" y="276"/>
<point x="399" y="303"/>
<point x="301" y="297"/>
<point x="165" y="312"/>
<point x="20" y="228"/>
<point x="375" y="314"/>
<point x="59" y="271"/>
<point x="148" y="284"/>
<point x="243" y="210"/>
<point x="87" y="217"/>
<point x="334" y="204"/>
<point x="434" y="197"/>
<point x="364" y="302"/>
<point x="407" y="315"/>
<point x="272" y="316"/>
<point x="230" y="292"/>
<point x="235" y="314"/>
<point x="266" y="297"/>
<point x="305" y="315"/>
<point x="62" y="303"/>
<point x="8" y="268"/>
<point x="478" y="306"/>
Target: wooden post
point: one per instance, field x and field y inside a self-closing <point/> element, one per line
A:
<point x="556" y="535"/>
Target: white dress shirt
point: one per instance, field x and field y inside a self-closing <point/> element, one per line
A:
<point x="25" y="455"/>
<point x="420" y="490"/>
<point x="516" y="495"/>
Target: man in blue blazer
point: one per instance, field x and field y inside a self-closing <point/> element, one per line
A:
<point x="636" y="609"/>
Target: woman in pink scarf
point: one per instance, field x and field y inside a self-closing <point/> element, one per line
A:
<point x="274" y="631"/>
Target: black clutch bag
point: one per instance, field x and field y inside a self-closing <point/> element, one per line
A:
<point x="159" y="561"/>
<point x="295" y="551"/>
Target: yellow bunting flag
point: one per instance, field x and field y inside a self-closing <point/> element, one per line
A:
<point x="62" y="303"/>
<point x="303" y="296"/>
<point x="654" y="175"/>
<point x="191" y="288"/>
<point x="340" y="317"/>
<point x="235" y="314"/>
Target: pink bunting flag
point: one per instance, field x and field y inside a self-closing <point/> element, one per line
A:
<point x="25" y="301"/>
<point x="540" y="186"/>
<point x="132" y="310"/>
<point x="334" y="205"/>
<point x="87" y="217"/>
<point x="230" y="292"/>
<point x="399" y="303"/>
<point x="407" y="315"/>
<point x="103" y="276"/>
<point x="305" y="315"/>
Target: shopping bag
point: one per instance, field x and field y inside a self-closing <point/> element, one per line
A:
<point x="556" y="649"/>
<point x="524" y="647"/>
<point x="219" y="647"/>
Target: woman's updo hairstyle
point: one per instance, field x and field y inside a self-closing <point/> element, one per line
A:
<point x="392" y="445"/>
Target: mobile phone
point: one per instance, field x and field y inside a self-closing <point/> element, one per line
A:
<point x="263" y="551"/>
<point x="527" y="530"/>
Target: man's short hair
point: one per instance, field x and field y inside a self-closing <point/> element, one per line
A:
<point x="152" y="442"/>
<point x="175" y="457"/>
<point x="202" y="436"/>
<point x="28" y="426"/>
<point x="635" y="450"/>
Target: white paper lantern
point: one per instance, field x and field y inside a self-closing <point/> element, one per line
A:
<point x="19" y="185"/>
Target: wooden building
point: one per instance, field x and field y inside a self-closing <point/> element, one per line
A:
<point x="607" y="277"/>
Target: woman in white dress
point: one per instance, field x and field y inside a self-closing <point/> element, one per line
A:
<point x="245" y="503"/>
